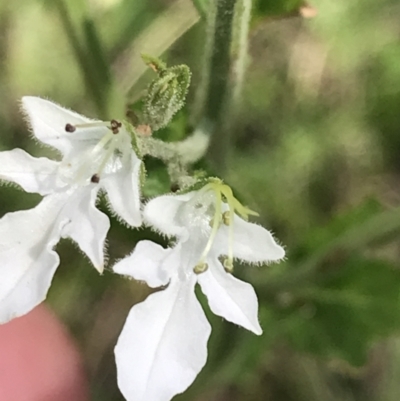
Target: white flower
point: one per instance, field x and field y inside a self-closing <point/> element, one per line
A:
<point x="95" y="155"/>
<point x="163" y="345"/>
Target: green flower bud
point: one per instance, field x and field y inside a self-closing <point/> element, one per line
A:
<point x="166" y="94"/>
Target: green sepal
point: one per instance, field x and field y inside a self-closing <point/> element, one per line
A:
<point x="134" y="142"/>
<point x="129" y="127"/>
<point x="142" y="175"/>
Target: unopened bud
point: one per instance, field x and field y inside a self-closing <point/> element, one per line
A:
<point x="166" y="94"/>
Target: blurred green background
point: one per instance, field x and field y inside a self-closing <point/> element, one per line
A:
<point x="315" y="149"/>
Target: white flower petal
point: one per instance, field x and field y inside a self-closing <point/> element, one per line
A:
<point x="48" y="121"/>
<point x="251" y="242"/>
<point x="123" y="190"/>
<point x="27" y="258"/>
<point x="87" y="226"/>
<point x="233" y="299"/>
<point x="163" y="345"/>
<point x="162" y="214"/>
<point x="32" y="174"/>
<point x="145" y="263"/>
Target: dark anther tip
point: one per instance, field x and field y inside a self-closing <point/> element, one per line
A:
<point x="95" y="178"/>
<point x="70" y="128"/>
<point x="115" y="125"/>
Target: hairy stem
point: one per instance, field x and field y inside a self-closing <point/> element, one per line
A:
<point x="240" y="49"/>
<point x="170" y="154"/>
<point x="220" y="60"/>
<point x="223" y="74"/>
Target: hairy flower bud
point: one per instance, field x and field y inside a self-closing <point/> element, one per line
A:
<point x="166" y="94"/>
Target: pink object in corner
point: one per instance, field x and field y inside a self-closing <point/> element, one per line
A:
<point x="39" y="361"/>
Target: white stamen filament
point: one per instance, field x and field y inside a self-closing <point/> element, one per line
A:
<point x="103" y="142"/>
<point x="215" y="226"/>
<point x="82" y="171"/>
<point x="93" y="124"/>
<point x="107" y="156"/>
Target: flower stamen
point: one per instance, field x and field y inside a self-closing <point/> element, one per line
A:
<point x="95" y="178"/>
<point x="228" y="265"/>
<point x="223" y="195"/>
<point x="105" y="147"/>
<point x="200" y="268"/>
<point x="70" y="128"/>
<point x="215" y="227"/>
<point x="226" y="218"/>
<point x="105" y="160"/>
<point x="227" y="191"/>
<point x="115" y="126"/>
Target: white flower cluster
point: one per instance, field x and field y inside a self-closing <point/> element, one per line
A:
<point x="163" y="345"/>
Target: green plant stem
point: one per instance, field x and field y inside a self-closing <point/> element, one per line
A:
<point x="220" y="59"/>
<point x="170" y="155"/>
<point x="240" y="49"/>
<point x="224" y="68"/>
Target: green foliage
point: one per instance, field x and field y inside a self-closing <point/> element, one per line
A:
<point x="166" y="94"/>
<point x="276" y="8"/>
<point x="330" y="300"/>
<point x="343" y="313"/>
<point x="338" y="226"/>
<point x="202" y="7"/>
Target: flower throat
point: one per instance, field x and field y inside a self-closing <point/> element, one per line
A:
<point x="114" y="128"/>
